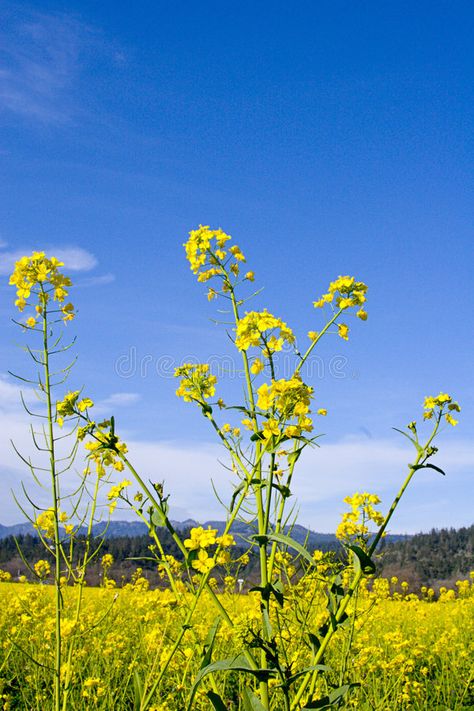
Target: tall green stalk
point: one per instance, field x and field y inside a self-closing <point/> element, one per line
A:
<point x="50" y="445"/>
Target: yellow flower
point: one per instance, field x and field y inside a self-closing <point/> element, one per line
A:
<point x="322" y="412"/>
<point x="270" y="428"/>
<point x="203" y="563"/>
<point x="450" y="419"/>
<point x="196" y="382"/>
<point x="248" y="424"/>
<point x="250" y="276"/>
<point x="253" y="328"/>
<point x="40" y="276"/>
<point x="84" y="404"/>
<point x="343" y="331"/>
<point x="257" y="366"/>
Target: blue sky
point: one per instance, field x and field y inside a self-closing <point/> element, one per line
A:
<point x="327" y="138"/>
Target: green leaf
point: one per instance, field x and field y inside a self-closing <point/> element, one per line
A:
<point x="362" y="560"/>
<point x="238" y="663"/>
<point x="251" y="701"/>
<point x="267" y="625"/>
<point x="335" y="696"/>
<point x="314" y="642"/>
<point x="412" y="439"/>
<point x="291" y="543"/>
<point x="209" y="643"/>
<point x="433" y="466"/>
<point x="138" y="689"/>
<point x="158" y="517"/>
<point x="269" y="589"/>
<point x="314" y="667"/>
<point x="216" y="701"/>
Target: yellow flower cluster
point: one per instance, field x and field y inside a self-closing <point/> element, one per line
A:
<point x="354" y="522"/>
<point x="200" y="539"/>
<point x="104" y="450"/>
<point x="116" y="490"/>
<point x="42" y="569"/>
<point x="45" y="523"/>
<point x="261" y="328"/>
<point x="208" y="257"/>
<point x="345" y="292"/>
<point x="196" y="382"/>
<point x="288" y="399"/>
<point x="70" y="405"/>
<point x="39" y="271"/>
<point x="440" y="402"/>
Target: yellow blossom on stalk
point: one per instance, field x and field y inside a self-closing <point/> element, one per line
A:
<point x="208" y="258"/>
<point x="439" y="404"/>
<point x="256" y="328"/>
<point x="257" y="366"/>
<point x="343" y="331"/>
<point x="270" y="428"/>
<point x="196" y="382"/>
<point x="289" y="397"/>
<point x="84" y="404"/>
<point x="354" y="523"/>
<point x="248" y="424"/>
<point x="250" y="276"/>
<point x="201" y="538"/>
<point x="203" y="563"/>
<point x="226" y="540"/>
<point x="42" y="569"/>
<point x="45" y="523"/>
<point x="105" y="449"/>
<point x="107" y="560"/>
<point x="116" y="491"/>
<point x="322" y="411"/>
<point x="312" y="335"/>
<point x="40" y="276"/>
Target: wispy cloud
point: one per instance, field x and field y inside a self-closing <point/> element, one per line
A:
<point x="40" y="56"/>
<point x="120" y="400"/>
<point x="76" y="259"/>
<point x="325" y="475"/>
<point x="100" y="280"/>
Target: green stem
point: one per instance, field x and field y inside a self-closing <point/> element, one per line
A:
<point x="80" y="583"/>
<point x="262" y="520"/>
<point x="422" y="454"/>
<point x="55" y="494"/>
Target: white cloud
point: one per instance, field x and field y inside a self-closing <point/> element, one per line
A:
<point x="119" y="400"/>
<point x="76" y="259"/>
<point x="101" y="280"/>
<point x="323" y="478"/>
<point x="40" y="60"/>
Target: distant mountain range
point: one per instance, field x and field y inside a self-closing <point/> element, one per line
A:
<point x="132" y="529"/>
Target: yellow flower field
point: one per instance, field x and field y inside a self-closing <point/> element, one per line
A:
<point x="411" y="652"/>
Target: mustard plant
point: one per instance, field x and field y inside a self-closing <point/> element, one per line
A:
<point x="264" y="437"/>
<point x="65" y="525"/>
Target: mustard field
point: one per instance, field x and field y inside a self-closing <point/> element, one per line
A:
<point x="411" y="652"/>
